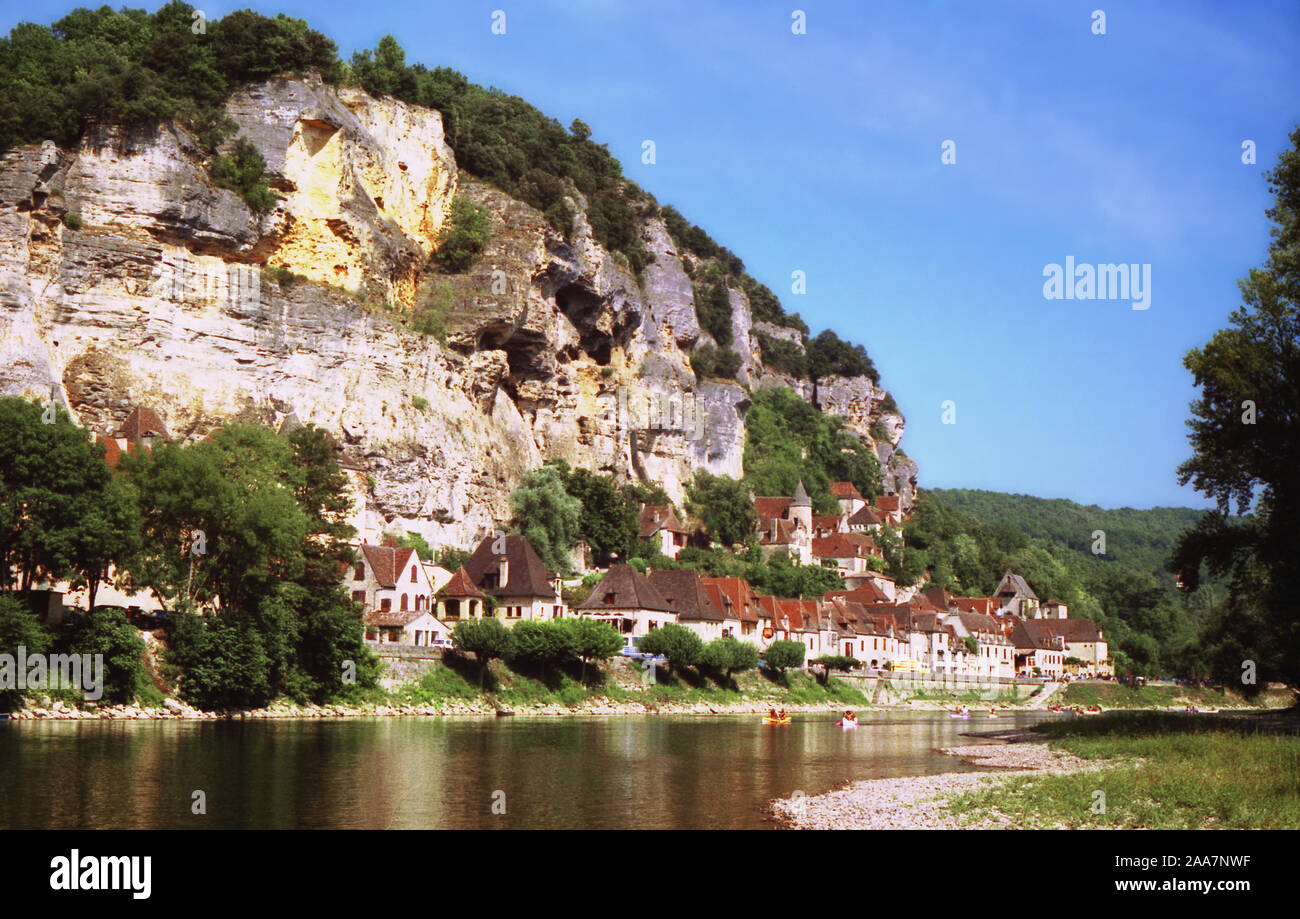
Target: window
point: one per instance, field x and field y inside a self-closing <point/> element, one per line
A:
<point x="412" y="574"/>
<point x="359" y="572"/>
<point x="403" y="601"/>
<point x="359" y="596"/>
<point x="452" y="608"/>
<point x="385" y="604"/>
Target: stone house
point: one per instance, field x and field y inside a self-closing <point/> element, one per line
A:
<point x="684" y="592"/>
<point x="387" y="578"/>
<point x="627" y="600"/>
<point x="459" y="599"/>
<point x="658" y="522"/>
<point x="1039" y="648"/>
<point x="509" y="568"/>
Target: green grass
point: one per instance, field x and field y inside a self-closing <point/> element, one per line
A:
<point x="1171" y="771"/>
<point x="1118" y="695"/>
<point x="509" y="688"/>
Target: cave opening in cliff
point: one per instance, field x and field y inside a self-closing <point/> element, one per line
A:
<point x="583" y="308"/>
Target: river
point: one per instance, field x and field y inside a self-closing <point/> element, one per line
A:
<point x="660" y="772"/>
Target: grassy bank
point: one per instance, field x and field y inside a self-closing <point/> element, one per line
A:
<point x="614" y="682"/>
<point x="1171" y="771"/>
<point x="1118" y="695"/>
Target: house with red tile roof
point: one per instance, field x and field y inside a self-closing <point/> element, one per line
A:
<point x="658" y="522"/>
<point x="1039" y="648"/>
<point x="684" y="592"/>
<point x="846" y="552"/>
<point x="396" y="596"/>
<point x="459" y="599"/>
<point x="734" y="596"/>
<point x="851" y="500"/>
<point x="786" y="525"/>
<point x="890" y="509"/>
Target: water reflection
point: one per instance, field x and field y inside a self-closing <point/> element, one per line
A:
<point x="662" y="772"/>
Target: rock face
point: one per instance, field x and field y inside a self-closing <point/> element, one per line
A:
<point x="166" y="294"/>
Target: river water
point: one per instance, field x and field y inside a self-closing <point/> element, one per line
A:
<point x="661" y="772"/>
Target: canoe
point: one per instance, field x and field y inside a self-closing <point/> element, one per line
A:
<point x="767" y="720"/>
<point x="847" y="725"/>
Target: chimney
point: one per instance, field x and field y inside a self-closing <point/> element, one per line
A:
<point x="388" y="540"/>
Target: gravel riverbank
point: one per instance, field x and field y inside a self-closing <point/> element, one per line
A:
<point x="921" y="802"/>
<point x="173" y="710"/>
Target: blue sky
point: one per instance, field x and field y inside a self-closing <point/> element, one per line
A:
<point x="821" y="152"/>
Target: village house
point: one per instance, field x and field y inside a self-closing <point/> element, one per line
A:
<point x="739" y="605"/>
<point x="459" y="599"/>
<point x="995" y="654"/>
<point x="828" y="525"/>
<point x="1015" y="595"/>
<point x="658" y="522"/>
<point x="1039" y="648"/>
<point x="684" y="592"/>
<point x="1086" y="643"/>
<point x="628" y="601"/>
<point x="889" y="508"/>
<point x="851" y="500"/>
<point x="1055" y="609"/>
<point x="509" y="568"/>
<point x="864" y="520"/>
<point x="389" y="578"/>
<point x="847" y="553"/>
<point x="785" y="525"/>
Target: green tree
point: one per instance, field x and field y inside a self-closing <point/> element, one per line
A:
<point x="1245" y="436"/>
<point x="609" y="519"/>
<point x="591" y="640"/>
<point x="19" y="628"/>
<point x="547" y="516"/>
<point x="61" y="513"/>
<point x="106" y="632"/>
<point x="783" y="654"/>
<point x="729" y="656"/>
<point x="724" y="505"/>
<point x="679" y="644"/>
<point x="486" y="639"/>
<point x="224" y="662"/>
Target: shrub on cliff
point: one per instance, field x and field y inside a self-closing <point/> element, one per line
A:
<point x="464" y="236"/>
<point x="243" y="171"/>
<point x="782" y="355"/>
<point x="708" y="361"/>
<point x="829" y="355"/>
<point x="788" y="440"/>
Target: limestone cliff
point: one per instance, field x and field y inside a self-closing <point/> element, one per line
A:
<point x="127" y="277"/>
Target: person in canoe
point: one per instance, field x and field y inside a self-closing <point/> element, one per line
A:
<point x="849" y="719"/>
